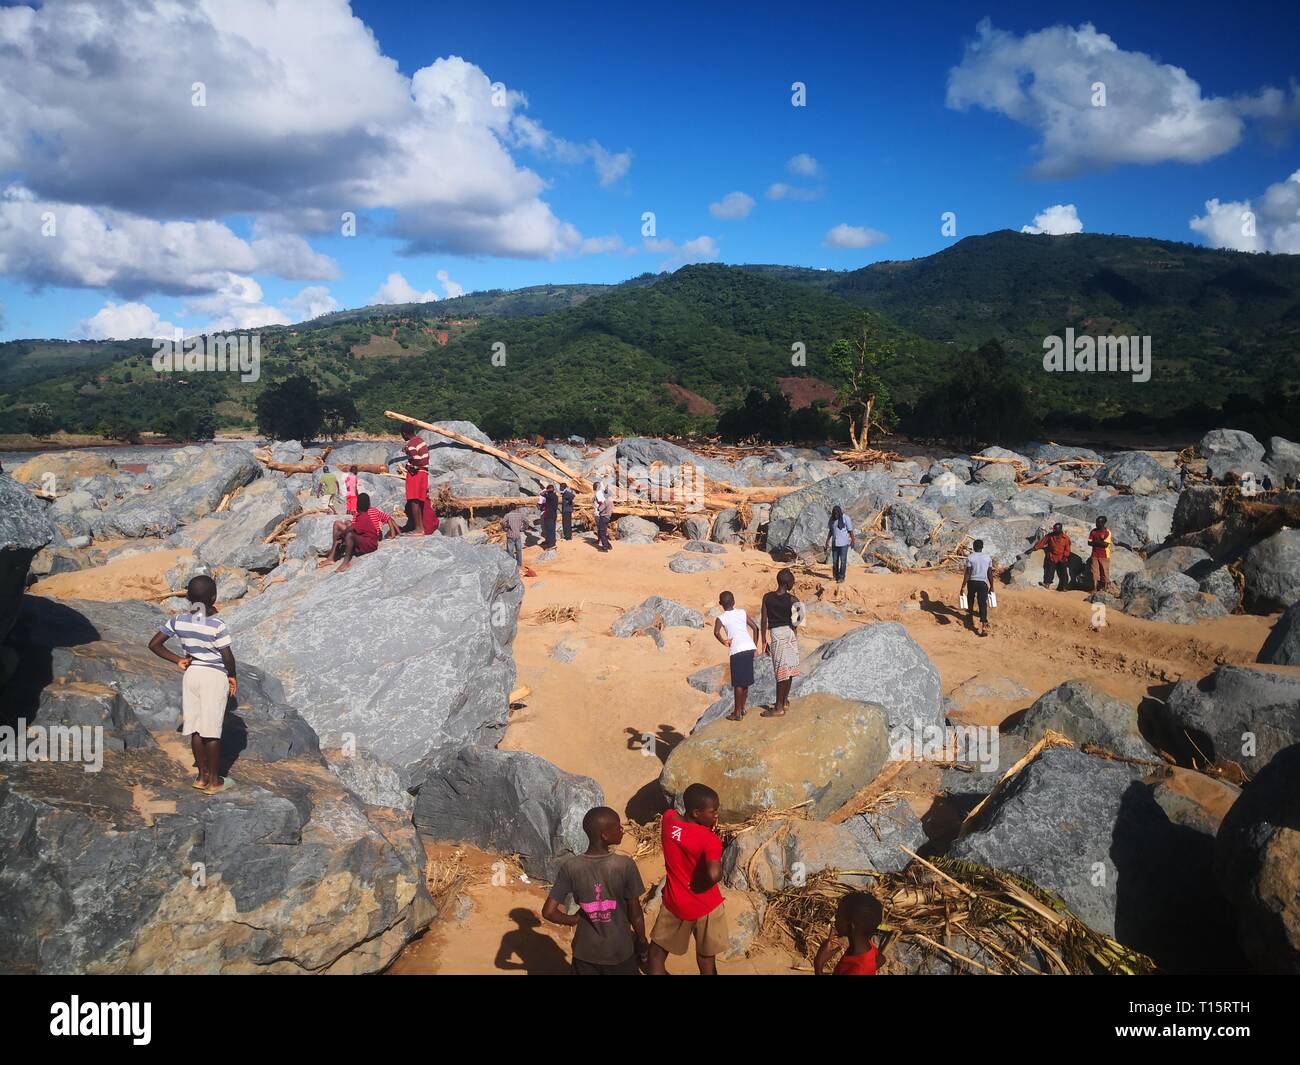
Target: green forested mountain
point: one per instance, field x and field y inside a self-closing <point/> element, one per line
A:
<point x="1225" y="331"/>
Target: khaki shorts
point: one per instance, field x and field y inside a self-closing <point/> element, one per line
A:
<point x="712" y="936"/>
<point x="204" y="691"/>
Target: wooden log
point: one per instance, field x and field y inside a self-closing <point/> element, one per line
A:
<point x="487" y="449"/>
<point x="578" y="480"/>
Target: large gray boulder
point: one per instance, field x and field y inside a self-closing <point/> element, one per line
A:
<point x="254" y="515"/>
<point x="1085" y="714"/>
<point x="1136" y="522"/>
<point x="912" y="523"/>
<point x="633" y="530"/>
<point x="1138" y="472"/>
<point x="1271" y="569"/>
<point x="506" y="802"/>
<point x="878" y="664"/>
<point x="1174" y="598"/>
<point x="1235" y="714"/>
<point x="362" y="453"/>
<point x="24" y="530"/>
<point x="313" y="536"/>
<point x="1283" y="458"/>
<point x="1257" y="861"/>
<point x="193" y="489"/>
<point x="130" y="870"/>
<point x="640" y="453"/>
<point x="786" y="852"/>
<point x="1231" y="451"/>
<point x="1132" y="859"/>
<point x="450" y="460"/>
<point x="820" y="752"/>
<point x="657" y="612"/>
<point x="403" y="655"/>
<point x="799" y="520"/>
<point x="1282" y="648"/>
<point x="101" y="650"/>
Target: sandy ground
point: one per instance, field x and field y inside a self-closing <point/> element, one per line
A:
<point x="142" y="576"/>
<point x="593" y="715"/>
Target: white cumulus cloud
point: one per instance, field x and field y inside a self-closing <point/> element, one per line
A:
<point x="701" y="249"/>
<point x="847" y="236"/>
<point x="733" y="206"/>
<point x="803" y="165"/>
<point x="1153" y="112"/>
<point x="1273" y="225"/>
<point x="1059" y="219"/>
<point x="396" y="289"/>
<point x="125" y="321"/>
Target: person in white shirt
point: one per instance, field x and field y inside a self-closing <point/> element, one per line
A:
<point x="978" y="578"/>
<point x="732" y="629"/>
<point x="839" y="538"/>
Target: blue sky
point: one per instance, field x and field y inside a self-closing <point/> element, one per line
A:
<point x="227" y="215"/>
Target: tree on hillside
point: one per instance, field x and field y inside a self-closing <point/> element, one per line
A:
<point x="763" y="415"/>
<point x="982" y="401"/>
<point x="863" y="395"/>
<point x="338" y="414"/>
<point x="40" y="420"/>
<point x="290" y="410"/>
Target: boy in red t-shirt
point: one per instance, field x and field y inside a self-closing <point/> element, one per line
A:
<point x="856" y="919"/>
<point x="692" y="901"/>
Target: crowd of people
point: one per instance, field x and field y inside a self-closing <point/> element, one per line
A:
<point x="605" y="885"/>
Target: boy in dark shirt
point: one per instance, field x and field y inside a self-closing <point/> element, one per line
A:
<point x="607" y="888"/>
<point x="692" y="905"/>
<point x="856" y="919"/>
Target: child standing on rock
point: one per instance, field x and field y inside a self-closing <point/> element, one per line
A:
<point x="732" y="629"/>
<point x="208" y="665"/>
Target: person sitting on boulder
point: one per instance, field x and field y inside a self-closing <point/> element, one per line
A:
<point x="609" y="927"/>
<point x="856" y="919"/>
<point x="976" y="581"/>
<point x="1099" y="564"/>
<point x="362" y="536"/>
<point x="692" y="903"/>
<point x="1056" y="561"/>
<point x="732" y="629"/>
<point x="781" y="615"/>
<point x="209" y="667"/>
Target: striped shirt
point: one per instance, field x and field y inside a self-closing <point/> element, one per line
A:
<point x="202" y="638"/>
<point x="417" y="451"/>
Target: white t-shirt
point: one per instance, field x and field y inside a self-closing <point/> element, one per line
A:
<point x="980" y="563"/>
<point x="736" y="623"/>
<point x="842" y="537"/>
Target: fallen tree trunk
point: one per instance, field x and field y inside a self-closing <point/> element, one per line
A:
<point x="487" y="449"/>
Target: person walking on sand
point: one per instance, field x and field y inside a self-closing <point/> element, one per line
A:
<point x="1099" y="564"/>
<point x="604" y="505"/>
<point x="839" y="538"/>
<point x="782" y="613"/>
<point x="732" y="629"/>
<point x="976" y="581"/>
<point x="566" y="510"/>
<point x="513" y="524"/>
<point x="1056" y="558"/>
<point x="549" y="502"/>
<point x="209" y="681"/>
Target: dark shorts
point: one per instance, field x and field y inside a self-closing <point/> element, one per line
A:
<point x="366" y="544"/>
<point x="742" y="669"/>
<point x="623" y="968"/>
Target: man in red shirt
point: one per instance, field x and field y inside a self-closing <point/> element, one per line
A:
<point x="1099" y="564"/>
<point x="692" y="904"/>
<point x="856" y="919"/>
<point x="419" y="508"/>
<point x="1057" y="562"/>
<point x="362" y="536"/>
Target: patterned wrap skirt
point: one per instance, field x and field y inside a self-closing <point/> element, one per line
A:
<point x="784" y="647"/>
